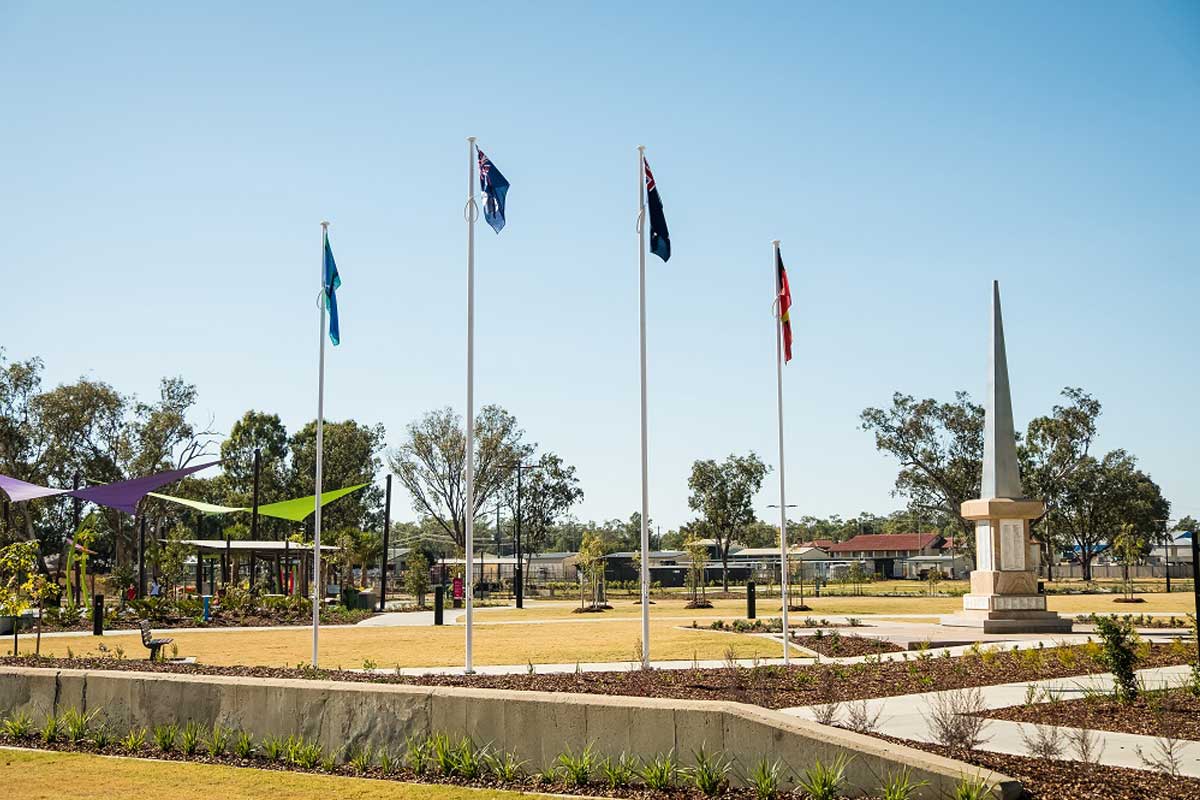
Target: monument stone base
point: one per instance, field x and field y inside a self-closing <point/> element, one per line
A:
<point x="1007" y="613"/>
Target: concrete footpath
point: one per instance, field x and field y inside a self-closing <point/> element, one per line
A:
<point x="906" y="717"/>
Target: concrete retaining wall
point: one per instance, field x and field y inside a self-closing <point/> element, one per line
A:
<point x="537" y="726"/>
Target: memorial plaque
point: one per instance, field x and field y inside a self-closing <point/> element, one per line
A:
<point x="1012" y="544"/>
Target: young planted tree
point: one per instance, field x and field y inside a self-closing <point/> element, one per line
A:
<point x="416" y="577"/>
<point x="22" y="586"/>
<point x="723" y="493"/>
<point x="591" y="565"/>
<point x="697" y="561"/>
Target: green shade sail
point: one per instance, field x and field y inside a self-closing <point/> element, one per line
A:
<point x="296" y="510"/>
<point x="299" y="509"/>
<point x="199" y="505"/>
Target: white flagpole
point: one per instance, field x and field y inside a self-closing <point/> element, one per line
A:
<point x="471" y="214"/>
<point x="318" y="590"/>
<point x="783" y="537"/>
<point x="641" y="228"/>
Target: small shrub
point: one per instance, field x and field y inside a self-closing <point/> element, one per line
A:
<point x="954" y="718"/>
<point x="859" y="717"/>
<point x="18" y="726"/>
<point x="190" y="738"/>
<point x="1119" y="656"/>
<point x="710" y="774"/>
<point x="218" y="740"/>
<point x="821" y="782"/>
<point x="51" y="729"/>
<point x="133" y="741"/>
<point x="1046" y="741"/>
<point x="1166" y="758"/>
<point x="243" y="745"/>
<point x="576" y="770"/>
<point x="620" y="772"/>
<point x="764" y="778"/>
<point x="900" y="786"/>
<point x="661" y="772"/>
<point x="1086" y="745"/>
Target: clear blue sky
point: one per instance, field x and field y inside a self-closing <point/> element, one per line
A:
<point x="165" y="168"/>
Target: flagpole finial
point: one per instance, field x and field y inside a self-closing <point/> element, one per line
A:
<point x="775" y="242"/>
<point x="325" y="225"/>
<point x="641" y="148"/>
<point x="471" y="139"/>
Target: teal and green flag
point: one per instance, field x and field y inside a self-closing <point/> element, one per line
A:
<point x="332" y="281"/>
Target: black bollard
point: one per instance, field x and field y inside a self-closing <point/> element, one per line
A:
<point x="750" y="600"/>
<point x="439" y="603"/>
<point x="98" y="615"/>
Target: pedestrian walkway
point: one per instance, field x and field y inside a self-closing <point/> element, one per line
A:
<point x="907" y="717"/>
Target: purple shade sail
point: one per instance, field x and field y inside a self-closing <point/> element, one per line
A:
<point x="125" y="495"/>
<point x="19" y="491"/>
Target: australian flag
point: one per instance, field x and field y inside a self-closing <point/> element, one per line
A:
<point x="495" y="187"/>
<point x="660" y="240"/>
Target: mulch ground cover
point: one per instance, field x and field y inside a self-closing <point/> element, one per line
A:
<point x="839" y="645"/>
<point x="1049" y="779"/>
<point x="769" y="686"/>
<point x="1174" y="712"/>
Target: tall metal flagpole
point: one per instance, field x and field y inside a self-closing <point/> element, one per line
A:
<point x="472" y="214"/>
<point x="783" y="537"/>
<point x="641" y="229"/>
<point x="317" y="589"/>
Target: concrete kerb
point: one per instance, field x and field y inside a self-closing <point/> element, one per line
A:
<point x="535" y="726"/>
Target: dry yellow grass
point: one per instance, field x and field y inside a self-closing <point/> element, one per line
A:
<point x="50" y="776"/>
<point x="553" y="643"/>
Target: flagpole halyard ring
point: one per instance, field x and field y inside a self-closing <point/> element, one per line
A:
<point x="320" y="297"/>
<point x="471" y="211"/>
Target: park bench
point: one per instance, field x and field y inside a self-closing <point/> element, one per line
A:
<point x="150" y="643"/>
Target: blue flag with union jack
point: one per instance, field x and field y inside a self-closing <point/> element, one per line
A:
<point x="660" y="239"/>
<point x="495" y="187"/>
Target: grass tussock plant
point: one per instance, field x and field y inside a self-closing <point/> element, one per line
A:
<point x="190" y="738"/>
<point x="274" y="748"/>
<point x="102" y="736"/>
<point x="764" y="779"/>
<point x="19" y="726"/>
<point x="661" y="772"/>
<point x="218" y="740"/>
<point x="165" y="737"/>
<point x="972" y="788"/>
<point x="900" y="786"/>
<point x="504" y="766"/>
<point x="576" y="770"/>
<point x="362" y="760"/>
<point x="417" y="753"/>
<point x="303" y="753"/>
<point x="709" y="773"/>
<point x="243" y="744"/>
<point x="50" y="730"/>
<point x="619" y="772"/>
<point x="824" y="781"/>
<point x="134" y="741"/>
<point x="75" y="725"/>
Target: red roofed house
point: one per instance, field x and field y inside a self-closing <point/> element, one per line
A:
<point x="884" y="551"/>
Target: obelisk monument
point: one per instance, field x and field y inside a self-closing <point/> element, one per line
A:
<point x="1004" y="595"/>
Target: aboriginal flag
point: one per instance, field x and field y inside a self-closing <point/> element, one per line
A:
<point x="785" y="306"/>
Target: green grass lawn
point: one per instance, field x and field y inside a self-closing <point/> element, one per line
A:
<point x="34" y="775"/>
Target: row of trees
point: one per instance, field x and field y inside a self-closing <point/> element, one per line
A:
<point x="1090" y="499"/>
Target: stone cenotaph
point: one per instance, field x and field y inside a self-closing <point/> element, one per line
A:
<point x="1004" y="595"/>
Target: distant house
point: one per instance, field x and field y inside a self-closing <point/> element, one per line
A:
<point x="885" y="553"/>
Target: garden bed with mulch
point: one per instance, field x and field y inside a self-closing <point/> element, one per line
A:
<point x="768" y="686"/>
<point x="1173" y="712"/>
<point x="839" y="645"/>
<point x="1051" y="779"/>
